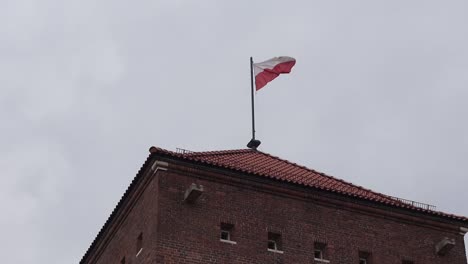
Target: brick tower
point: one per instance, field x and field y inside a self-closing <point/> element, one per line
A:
<point x="246" y="206"/>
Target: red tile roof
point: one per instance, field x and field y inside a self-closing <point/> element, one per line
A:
<point x="262" y="164"/>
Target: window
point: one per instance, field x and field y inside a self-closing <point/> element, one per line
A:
<point x="407" y="262"/>
<point x="318" y="254"/>
<point x="274" y="242"/>
<point x="364" y="257"/>
<point x="139" y="244"/>
<point x="319" y="251"/>
<point x="226" y="233"/>
<point x="122" y="261"/>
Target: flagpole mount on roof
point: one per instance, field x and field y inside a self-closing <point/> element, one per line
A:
<point x="254" y="143"/>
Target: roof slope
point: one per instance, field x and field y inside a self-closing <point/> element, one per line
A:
<point x="262" y="164"/>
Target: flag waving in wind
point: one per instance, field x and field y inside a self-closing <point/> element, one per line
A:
<point x="264" y="73"/>
<point x="268" y="70"/>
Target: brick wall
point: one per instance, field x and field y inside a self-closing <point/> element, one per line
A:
<point x="141" y="219"/>
<point x="192" y="232"/>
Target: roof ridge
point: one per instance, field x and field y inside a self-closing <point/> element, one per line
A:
<point x="198" y="153"/>
<point x="218" y="152"/>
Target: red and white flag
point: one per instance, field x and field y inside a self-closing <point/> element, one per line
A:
<point x="268" y="70"/>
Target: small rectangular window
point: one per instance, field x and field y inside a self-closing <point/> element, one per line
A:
<point x="364" y="257"/>
<point x="122" y="261"/>
<point x="319" y="251"/>
<point x="226" y="233"/>
<point x="274" y="242"/>
<point x="318" y="254"/>
<point x="407" y="262"/>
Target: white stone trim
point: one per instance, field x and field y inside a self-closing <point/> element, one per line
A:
<point x="322" y="260"/>
<point x="139" y="251"/>
<point x="463" y="230"/>
<point x="228" y="241"/>
<point x="275" y="251"/>
<point x="159" y="165"/>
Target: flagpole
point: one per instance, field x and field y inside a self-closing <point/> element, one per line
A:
<point x="253" y="143"/>
<point x="252" y="96"/>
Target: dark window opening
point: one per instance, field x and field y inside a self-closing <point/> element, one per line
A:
<point x="407" y="262"/>
<point x="139" y="243"/>
<point x="364" y="257"/>
<point x="274" y="241"/>
<point x="226" y="231"/>
<point x="225" y="235"/>
<point x="272" y="245"/>
<point x="319" y="250"/>
<point x="122" y="261"/>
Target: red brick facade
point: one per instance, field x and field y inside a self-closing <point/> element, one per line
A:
<point x="174" y="231"/>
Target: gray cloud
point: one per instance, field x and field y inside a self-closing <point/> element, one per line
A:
<point x="377" y="98"/>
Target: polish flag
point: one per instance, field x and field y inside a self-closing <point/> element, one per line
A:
<point x="268" y="70"/>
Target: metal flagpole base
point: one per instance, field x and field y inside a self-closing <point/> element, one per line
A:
<point x="254" y="143"/>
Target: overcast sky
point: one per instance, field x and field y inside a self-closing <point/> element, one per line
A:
<point x="378" y="97"/>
